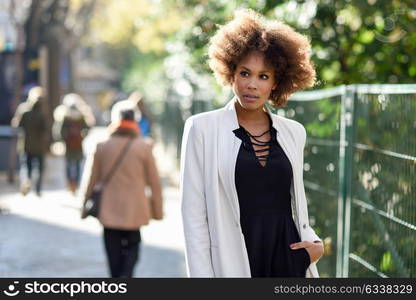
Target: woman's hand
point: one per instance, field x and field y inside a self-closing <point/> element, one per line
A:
<point x="314" y="249"/>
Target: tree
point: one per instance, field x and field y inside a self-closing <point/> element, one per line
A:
<point x="352" y="41"/>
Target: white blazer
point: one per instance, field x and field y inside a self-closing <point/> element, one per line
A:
<point x="214" y="241"/>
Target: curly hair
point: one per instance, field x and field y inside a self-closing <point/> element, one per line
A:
<point x="285" y="49"/>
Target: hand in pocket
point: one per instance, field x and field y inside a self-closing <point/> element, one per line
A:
<point x="314" y="249"/>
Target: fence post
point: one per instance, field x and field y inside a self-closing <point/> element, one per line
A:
<point x="346" y="150"/>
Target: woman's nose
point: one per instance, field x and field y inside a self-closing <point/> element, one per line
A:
<point x="252" y="83"/>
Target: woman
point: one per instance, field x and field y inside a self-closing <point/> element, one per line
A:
<point x="243" y="202"/>
<point x="124" y="206"/>
<point x="75" y="123"/>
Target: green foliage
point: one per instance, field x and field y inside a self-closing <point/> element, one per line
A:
<point x="145" y="73"/>
<point x="353" y="41"/>
<point x="386" y="262"/>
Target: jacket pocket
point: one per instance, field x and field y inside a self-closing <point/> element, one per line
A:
<point x="307" y="258"/>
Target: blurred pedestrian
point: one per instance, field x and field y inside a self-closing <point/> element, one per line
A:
<point x="136" y="102"/>
<point x="243" y="201"/>
<point x="75" y="119"/>
<point x="32" y="121"/>
<point x="125" y="205"/>
<point x="146" y="120"/>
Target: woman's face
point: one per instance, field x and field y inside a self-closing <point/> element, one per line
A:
<point x="253" y="81"/>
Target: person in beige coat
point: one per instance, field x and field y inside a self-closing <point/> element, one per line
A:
<point x="125" y="207"/>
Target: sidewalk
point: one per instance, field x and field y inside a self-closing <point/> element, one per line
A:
<point x="45" y="237"/>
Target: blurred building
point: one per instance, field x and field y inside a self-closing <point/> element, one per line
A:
<point x="95" y="82"/>
<point x="11" y="45"/>
<point x="11" y="49"/>
<point x="35" y="49"/>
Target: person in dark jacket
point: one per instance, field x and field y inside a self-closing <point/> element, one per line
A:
<point x="32" y="121"/>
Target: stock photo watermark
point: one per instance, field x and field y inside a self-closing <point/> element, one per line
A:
<point x="70" y="289"/>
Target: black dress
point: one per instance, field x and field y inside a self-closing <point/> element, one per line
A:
<point x="265" y="209"/>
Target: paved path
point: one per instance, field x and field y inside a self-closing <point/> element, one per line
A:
<point x="44" y="236"/>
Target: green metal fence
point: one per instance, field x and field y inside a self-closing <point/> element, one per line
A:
<point x="359" y="173"/>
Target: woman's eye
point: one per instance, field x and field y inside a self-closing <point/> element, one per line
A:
<point x="263" y="76"/>
<point x="244" y="73"/>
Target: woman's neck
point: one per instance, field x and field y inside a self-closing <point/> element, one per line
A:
<point x="251" y="117"/>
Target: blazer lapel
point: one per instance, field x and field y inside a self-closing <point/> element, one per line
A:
<point x="284" y="139"/>
<point x="228" y="147"/>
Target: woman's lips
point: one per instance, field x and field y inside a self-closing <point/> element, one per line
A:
<point x="250" y="98"/>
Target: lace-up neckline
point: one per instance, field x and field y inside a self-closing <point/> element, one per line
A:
<point x="252" y="142"/>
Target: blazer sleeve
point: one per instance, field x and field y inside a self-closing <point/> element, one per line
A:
<point x="193" y="204"/>
<point x="309" y="233"/>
